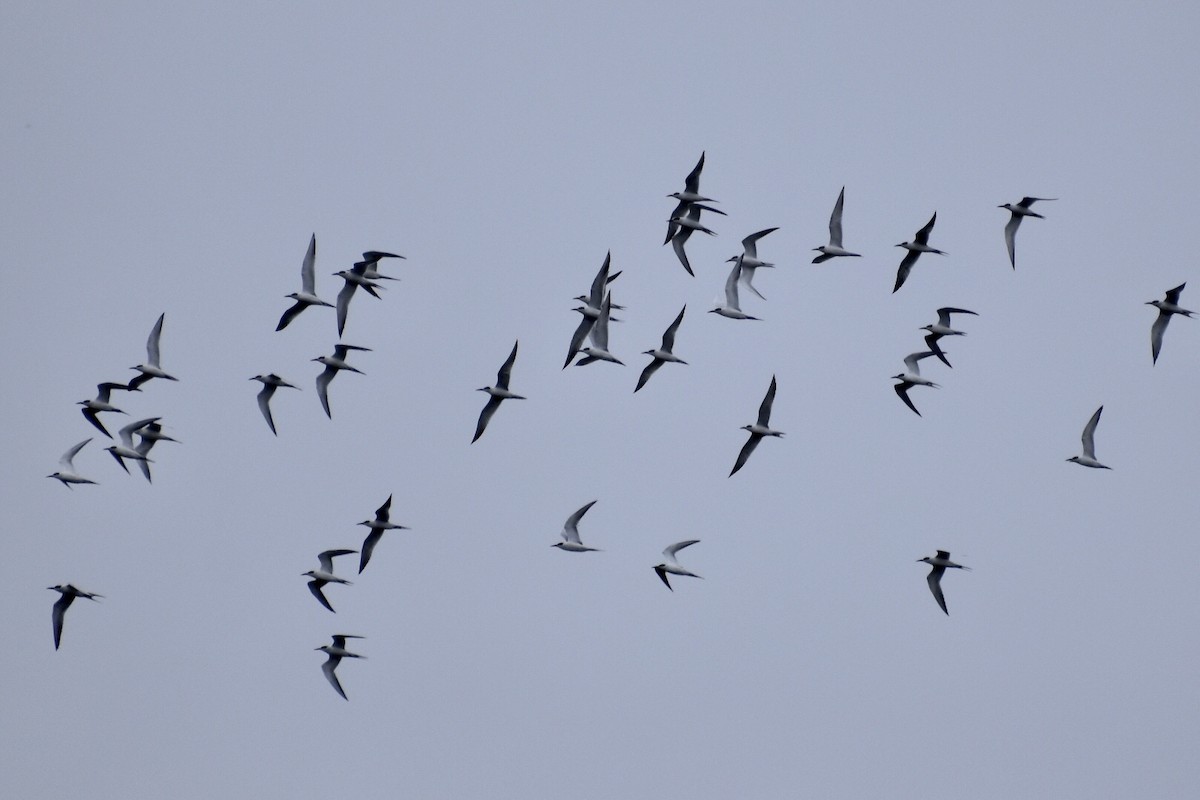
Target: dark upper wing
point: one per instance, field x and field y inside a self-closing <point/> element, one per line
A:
<point x="485" y="415"/>
<point x="745" y="452"/>
<point x="764" y="410"/>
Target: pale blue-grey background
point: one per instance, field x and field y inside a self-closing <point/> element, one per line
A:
<point x="177" y="159"/>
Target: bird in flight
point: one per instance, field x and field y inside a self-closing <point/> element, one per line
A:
<point x="912" y="377"/>
<point x="1166" y="308"/>
<point x="152" y="368"/>
<point x="671" y="565"/>
<point x="758" y="430"/>
<point x="834" y="248"/>
<point x="1088" y="459"/>
<point x="663" y="354"/>
<point x="270" y="383"/>
<point x="940" y="563"/>
<point x="336" y="652"/>
<point x="1019" y="211"/>
<point x="382" y="522"/>
<point x="919" y="244"/>
<point x="66" y="467"/>
<point x="69" y="593"/>
<point x="570" y="533"/>
<point x="307" y="296"/>
<point x="498" y="393"/>
<point x="325" y="575"/>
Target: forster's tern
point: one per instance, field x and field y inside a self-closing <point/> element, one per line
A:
<point x="333" y="365"/>
<point x="91" y="408"/>
<point x="152" y="368"/>
<point x="732" y="308"/>
<point x="354" y="278"/>
<point x="336" y="652"/>
<point x="66" y="467"/>
<point x="940" y="563"/>
<point x="671" y="565"/>
<point x="912" y="377"/>
<point x="942" y="328"/>
<point x="1088" y="459"/>
<point x="758" y="430"/>
<point x="1019" y="211"/>
<point x="1166" y="308"/>
<point x="662" y="354"/>
<point x="499" y="393"/>
<point x="919" y="244"/>
<point x="69" y="593"/>
<point x="381" y="523"/>
<point x="750" y="261"/>
<point x="325" y="575"/>
<point x="307" y="296"/>
<point x="834" y="248"/>
<point x="126" y="448"/>
<point x="570" y="532"/>
<point x="270" y="383"/>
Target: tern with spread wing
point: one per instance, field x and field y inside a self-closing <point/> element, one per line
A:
<point x="92" y="408"/>
<point x="382" y="522"/>
<point x="270" y="383"/>
<point x="69" y="593"/>
<point x="942" y="328"/>
<point x="152" y="368"/>
<point x="940" y="563"/>
<point x="671" y="565"/>
<point x="570" y="533"/>
<point x="307" y="296"/>
<point x="1019" y="211"/>
<point x="1088" y="459"/>
<point x="66" y="467"/>
<point x="761" y="428"/>
<point x="663" y="354"/>
<point x="126" y="448"/>
<point x="750" y="261"/>
<point x="834" y="248"/>
<point x="732" y="307"/>
<point x="336" y="652"/>
<point x="333" y="365"/>
<point x="598" y="335"/>
<point x="325" y="575"/>
<point x="498" y="393"/>
<point x="912" y="377"/>
<point x="1166" y="308"/>
<point x="919" y="244"/>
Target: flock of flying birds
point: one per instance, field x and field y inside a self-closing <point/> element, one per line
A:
<point x="596" y="313"/>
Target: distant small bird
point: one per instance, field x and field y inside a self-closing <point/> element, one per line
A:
<point x="69" y="593"/>
<point x="671" y="565"/>
<point x="570" y="532"/>
<point x="942" y="328"/>
<point x="750" y="260"/>
<point x="126" y="448"/>
<point x="382" y="522"/>
<point x="66" y="467"/>
<point x="663" y="354"/>
<point x="333" y="365"/>
<point x="307" y="296"/>
<point x="1019" y="211"/>
<point x="919" y="244"/>
<point x="1088" y="459"/>
<point x="940" y="563"/>
<point x="758" y="430"/>
<point x="498" y="393"/>
<point x="270" y="383"/>
<point x="598" y="350"/>
<point x="1166" y="308"/>
<point x="336" y="652"/>
<point x="354" y="278"/>
<point x="92" y="408"/>
<point x="732" y="307"/>
<point x="834" y="248"/>
<point x="152" y="368"/>
<point x="149" y="435"/>
<point x="912" y="377"/>
<point x="325" y="575"/>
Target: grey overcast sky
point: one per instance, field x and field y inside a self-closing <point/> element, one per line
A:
<point x="159" y="158"/>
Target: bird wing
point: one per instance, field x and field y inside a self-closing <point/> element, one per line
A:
<point x="945" y="311"/>
<point x="746" y="277"/>
<point x="68" y="458"/>
<point x="650" y="369"/>
<point x="505" y="372"/>
<point x="691" y="183"/>
<point x="343" y="304"/>
<point x="56" y="616"/>
<point x="902" y="392"/>
<point x="745" y="452"/>
<point x="599" y="332"/>
<point x="731" y="284"/>
<point x="923" y="234"/>
<point x="314" y="586"/>
<point x="1089" y="434"/>
<point x="264" y="405"/>
<point x="308" y="276"/>
<point x="581" y="332"/>
<point x="662" y="573"/>
<point x="675" y="548"/>
<point x="328" y="668"/>
<point x="1010" y="237"/>
<point x="323" y="388"/>
<point x="912" y="361"/>
<point x="485" y="416"/>
<point x="570" y="530"/>
<point x="384" y="512"/>
<point x="596" y="294"/>
<point x="1173" y="294"/>
<point x="668" y="339"/>
<point x="906" y="265"/>
<point x="289" y="315"/>
<point x="126" y="433"/>
<point x="935" y="585"/>
<point x="764" y="410"/>
<point x="835" y="223"/>
<point x="368" y="547"/>
<point x="677" y="242"/>
<point x="152" y="343"/>
<point x="750" y="243"/>
<point x="1156" y="334"/>
<point x="931" y="340"/>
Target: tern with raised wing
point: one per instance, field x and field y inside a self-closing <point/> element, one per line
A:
<point x="684" y="224"/>
<point x="940" y="563"/>
<point x="372" y="259"/>
<point x="1088" y="459"/>
<point x="92" y="408"/>
<point x="333" y="365"/>
<point x="592" y="306"/>
<point x="761" y="428"/>
<point x="570" y="533"/>
<point x="126" y="448"/>
<point x="69" y="593"/>
<point x="307" y="296"/>
<point x="919" y="244"/>
<point x="598" y="350"/>
<point x="325" y="575"/>
<point x="732" y="307"/>
<point x="354" y="278"/>
<point x="382" y="522"/>
<point x="270" y="383"/>
<point x="750" y="261"/>
<point x="689" y="195"/>
<point x="1019" y="211"/>
<point x="663" y="354"/>
<point x="152" y="368"/>
<point x="336" y="652"/>
<point x="912" y="377"/>
<point x="1166" y="308"/>
<point x="942" y="328"/>
<point x="671" y="565"/>
<point x="834" y="248"/>
<point x="498" y="393"/>
<point x="66" y="467"/>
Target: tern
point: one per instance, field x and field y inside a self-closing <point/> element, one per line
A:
<point x="1166" y="308"/>
<point x="354" y="277"/>
<point x="1019" y="211"/>
<point x="834" y="248"/>
<point x="336" y="652"/>
<point x="942" y="328"/>
<point x="689" y="195"/>
<point x="69" y="593"/>
<point x="325" y="575"/>
<point x="591" y="308"/>
<point x="684" y="223"/>
<point x="598" y="351"/>
<point x="270" y="383"/>
<point x="334" y="364"/>
<point x="498" y="393"/>
<point x="307" y="296"/>
<point x="372" y="259"/>
<point x="1088" y="459"/>
<point x="570" y="533"/>
<point x="758" y="430"/>
<point x="91" y="408"/>
<point x="940" y="563"/>
<point x="663" y="354"/>
<point x="750" y="260"/>
<point x="381" y="523"/>
<point x="671" y="565"/>
<point x="66" y="467"/>
<point x="732" y="308"/>
<point x="150" y="435"/>
<point x="920" y="244"/>
<point x="912" y="377"/>
<point x="152" y="368"/>
<point x="126" y="449"/>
